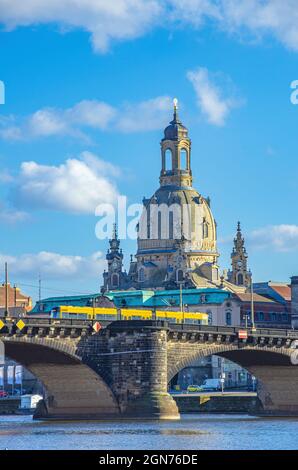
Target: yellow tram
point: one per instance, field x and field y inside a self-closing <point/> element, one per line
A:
<point x="113" y="314"/>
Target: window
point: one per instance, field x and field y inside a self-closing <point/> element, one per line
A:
<point x="168" y="160"/>
<point x="228" y="318"/>
<point x="115" y="280"/>
<point x="261" y="316"/>
<point x="205" y="229"/>
<point x="171" y="225"/>
<point x="183" y="159"/>
<point x="209" y="317"/>
<point x="141" y="275"/>
<point x="159" y="226"/>
<point x="180" y="276"/>
<point x="240" y="279"/>
<point x="273" y="316"/>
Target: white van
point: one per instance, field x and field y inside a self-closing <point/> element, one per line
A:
<point x="211" y="384"/>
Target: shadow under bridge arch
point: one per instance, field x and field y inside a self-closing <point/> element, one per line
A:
<point x="72" y="389"/>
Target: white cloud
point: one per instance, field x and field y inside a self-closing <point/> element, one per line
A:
<point x="105" y="20"/>
<point x="260" y="17"/>
<point x="281" y="238"/>
<point x="76" y="186"/>
<point x="120" y="20"/>
<point x="128" y="117"/>
<point x="54" y="265"/>
<point x="144" y="116"/>
<point x="210" y="97"/>
<point x="278" y="238"/>
<point x="9" y="215"/>
<point x="92" y="113"/>
<point x="5" y="176"/>
<point x="255" y="18"/>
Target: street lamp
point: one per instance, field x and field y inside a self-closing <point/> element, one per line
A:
<point x="222" y="375"/>
<point x="181" y="303"/>
<point x="246" y="318"/>
<point x="252" y="306"/>
<point x="6" y="310"/>
<point x="254" y="379"/>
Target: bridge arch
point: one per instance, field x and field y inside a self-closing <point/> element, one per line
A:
<point x="72" y="388"/>
<point x="277" y="377"/>
<point x="182" y="355"/>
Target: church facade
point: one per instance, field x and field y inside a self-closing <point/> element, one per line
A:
<point x="177" y="233"/>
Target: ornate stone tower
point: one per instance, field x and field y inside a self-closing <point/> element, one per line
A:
<point x="177" y="231"/>
<point x="175" y="154"/>
<point x="114" y="278"/>
<point x="239" y="275"/>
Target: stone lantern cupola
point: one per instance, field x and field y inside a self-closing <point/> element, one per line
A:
<point x="175" y="153"/>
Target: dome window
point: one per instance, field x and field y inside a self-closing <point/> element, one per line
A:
<point x="205" y="229"/>
<point x="183" y="159"/>
<point x="168" y="160"/>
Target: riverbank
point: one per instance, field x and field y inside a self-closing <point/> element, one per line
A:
<point x="218" y="404"/>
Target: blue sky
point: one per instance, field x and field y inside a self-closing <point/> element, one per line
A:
<point x="88" y="94"/>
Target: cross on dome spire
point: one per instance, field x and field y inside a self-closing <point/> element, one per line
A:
<point x="175" y="103"/>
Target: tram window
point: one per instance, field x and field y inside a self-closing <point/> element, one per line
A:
<point x="81" y="316"/>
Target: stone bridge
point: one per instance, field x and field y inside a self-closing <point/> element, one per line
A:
<point x="123" y="370"/>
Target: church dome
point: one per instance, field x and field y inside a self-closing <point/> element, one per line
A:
<point x="176" y="231"/>
<point x="192" y="220"/>
<point x="175" y="130"/>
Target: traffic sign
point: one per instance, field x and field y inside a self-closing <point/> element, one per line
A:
<point x="242" y="334"/>
<point x="97" y="327"/>
<point x="2" y="324"/>
<point x="21" y="325"/>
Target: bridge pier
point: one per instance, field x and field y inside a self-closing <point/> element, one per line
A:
<point x="137" y="361"/>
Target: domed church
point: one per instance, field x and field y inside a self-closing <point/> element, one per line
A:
<point x="177" y="240"/>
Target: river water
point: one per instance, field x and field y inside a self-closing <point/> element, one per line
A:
<point x="191" y="432"/>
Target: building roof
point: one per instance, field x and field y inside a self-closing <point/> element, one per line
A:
<point x="284" y="290"/>
<point x="279" y="291"/>
<point x="70" y="297"/>
<point x="175" y="130"/>
<point x="139" y="298"/>
<point x="257" y="298"/>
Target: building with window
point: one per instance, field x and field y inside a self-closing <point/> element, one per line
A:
<point x="17" y="302"/>
<point x="267" y="311"/>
